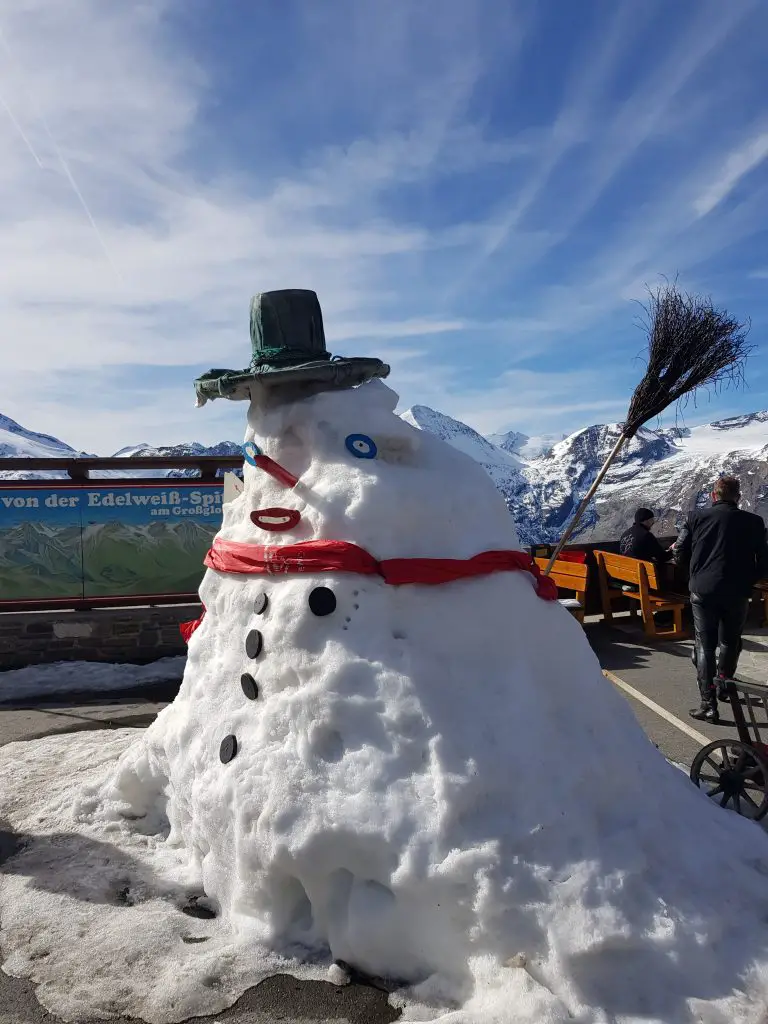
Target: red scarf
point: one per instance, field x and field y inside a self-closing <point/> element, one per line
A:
<point x="318" y="557"/>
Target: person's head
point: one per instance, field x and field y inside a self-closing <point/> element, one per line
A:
<point x="645" y="517"/>
<point x="727" y="488"/>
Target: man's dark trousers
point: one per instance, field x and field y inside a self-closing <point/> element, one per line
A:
<point x="717" y="622"/>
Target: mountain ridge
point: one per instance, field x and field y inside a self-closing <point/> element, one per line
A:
<point x="541" y="479"/>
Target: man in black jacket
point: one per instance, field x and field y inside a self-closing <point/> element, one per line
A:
<point x="639" y="542"/>
<point x="727" y="552"/>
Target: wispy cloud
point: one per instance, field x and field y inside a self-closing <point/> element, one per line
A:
<point x="474" y="195"/>
<point x="617" y="131"/>
<point x="738" y="164"/>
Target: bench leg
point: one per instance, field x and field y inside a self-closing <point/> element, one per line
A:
<point x="677" y="627"/>
<point x="678" y="621"/>
<point x="605" y="594"/>
<point x="646" y="608"/>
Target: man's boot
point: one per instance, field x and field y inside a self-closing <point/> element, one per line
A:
<point x="706" y="712"/>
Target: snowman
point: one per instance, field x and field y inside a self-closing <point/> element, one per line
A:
<point x="394" y="748"/>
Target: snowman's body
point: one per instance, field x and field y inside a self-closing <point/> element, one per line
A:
<point x="425" y="774"/>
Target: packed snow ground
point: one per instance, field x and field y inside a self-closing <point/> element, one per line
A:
<point x="93" y="914"/>
<point x="63" y="677"/>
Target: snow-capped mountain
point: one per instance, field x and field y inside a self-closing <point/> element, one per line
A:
<point x="190" y="450"/>
<point x="541" y="479"/>
<point x="502" y="467"/>
<point x="682" y="479"/>
<point x="671" y="470"/>
<point x="523" y="446"/>
<point x="18" y="442"/>
<point x="558" y="480"/>
<point x="461" y="436"/>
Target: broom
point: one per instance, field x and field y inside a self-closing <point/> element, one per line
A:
<point x="690" y="345"/>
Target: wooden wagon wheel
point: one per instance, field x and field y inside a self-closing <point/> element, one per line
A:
<point x="735" y="775"/>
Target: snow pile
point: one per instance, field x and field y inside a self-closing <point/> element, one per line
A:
<point x="63" y="677"/>
<point x="99" y="918"/>
<point x="434" y="784"/>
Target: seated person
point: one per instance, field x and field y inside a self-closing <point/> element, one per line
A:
<point x="639" y="542"/>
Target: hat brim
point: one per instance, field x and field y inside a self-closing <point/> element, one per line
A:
<point x="326" y="375"/>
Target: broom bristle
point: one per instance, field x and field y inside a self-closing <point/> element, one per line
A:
<point x="690" y="345"/>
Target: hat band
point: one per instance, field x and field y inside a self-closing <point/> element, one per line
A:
<point x="289" y="356"/>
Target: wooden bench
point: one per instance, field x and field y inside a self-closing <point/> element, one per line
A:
<point x="649" y="595"/>
<point x="570" y="576"/>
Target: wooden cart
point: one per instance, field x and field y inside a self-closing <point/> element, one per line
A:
<point x="735" y="772"/>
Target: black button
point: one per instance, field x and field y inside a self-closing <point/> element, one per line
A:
<point x="254" y="643"/>
<point x="322" y="601"/>
<point x="204" y="913"/>
<point x="260" y="604"/>
<point x="250" y="686"/>
<point x="228" y="749"/>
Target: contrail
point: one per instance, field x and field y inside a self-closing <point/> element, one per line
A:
<point x="20" y="130"/>
<point x="14" y="121"/>
<point x="81" y="199"/>
<point x="64" y="165"/>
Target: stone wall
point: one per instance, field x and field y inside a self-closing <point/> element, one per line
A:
<point x="132" y="635"/>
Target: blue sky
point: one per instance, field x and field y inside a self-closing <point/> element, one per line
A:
<point x="478" y="192"/>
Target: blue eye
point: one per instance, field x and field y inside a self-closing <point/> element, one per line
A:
<point x="361" y="446"/>
<point x="251" y="451"/>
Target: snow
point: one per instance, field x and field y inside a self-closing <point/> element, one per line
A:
<point x="702" y="448"/>
<point x="93" y="914"/>
<point x="63" y="677"/>
<point x="525" y="447"/>
<point x="435" y="785"/>
<point x="18" y="442"/>
<point x="461" y="437"/>
<point x="503" y="467"/>
<point x="741" y="434"/>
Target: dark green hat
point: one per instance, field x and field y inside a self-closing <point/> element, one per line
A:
<point x="288" y="346"/>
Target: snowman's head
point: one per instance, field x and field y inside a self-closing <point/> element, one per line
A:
<point x="364" y="475"/>
<point x="356" y="428"/>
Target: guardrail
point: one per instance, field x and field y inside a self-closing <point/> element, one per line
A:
<point x="80" y="469"/>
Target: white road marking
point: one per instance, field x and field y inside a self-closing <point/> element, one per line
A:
<point x="657" y="708"/>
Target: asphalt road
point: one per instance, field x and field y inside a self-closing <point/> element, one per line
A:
<point x="663" y="674"/>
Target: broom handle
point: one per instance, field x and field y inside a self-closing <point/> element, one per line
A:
<point x="584" y="502"/>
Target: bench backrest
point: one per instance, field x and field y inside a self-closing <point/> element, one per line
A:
<point x="567" y="575"/>
<point x="622" y="567"/>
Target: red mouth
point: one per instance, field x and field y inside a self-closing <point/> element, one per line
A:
<point x="275" y="519"/>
